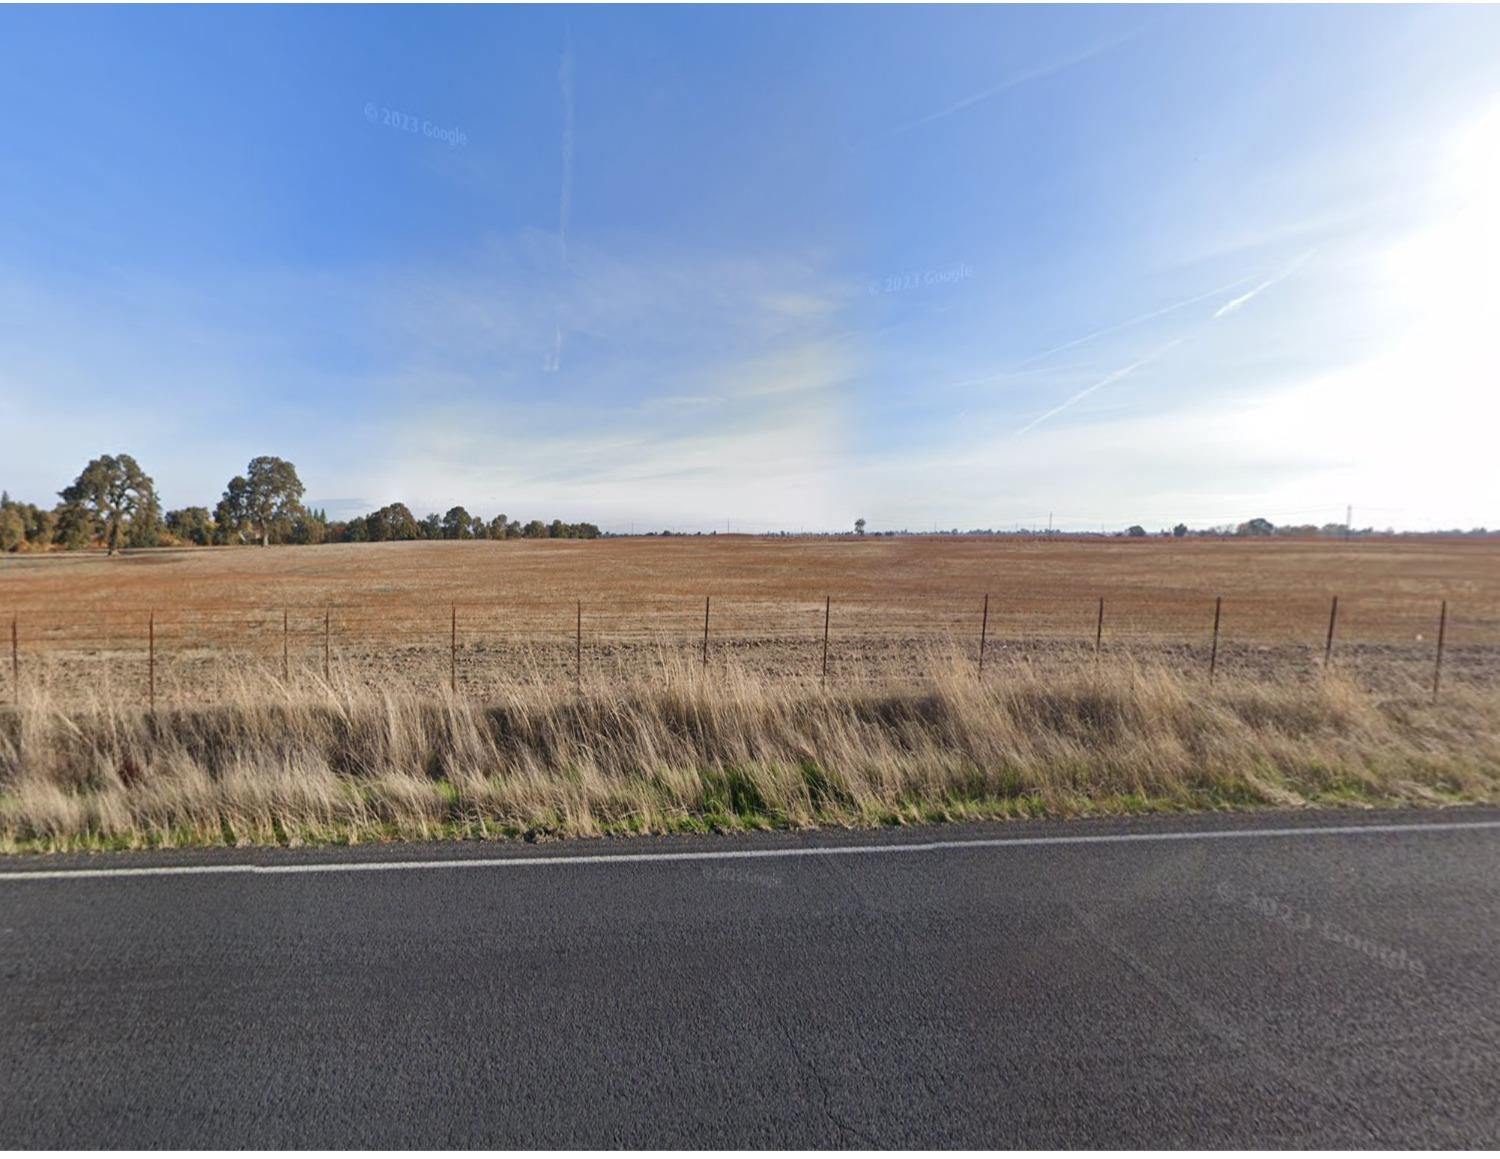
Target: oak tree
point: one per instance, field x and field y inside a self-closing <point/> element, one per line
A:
<point x="107" y="497"/>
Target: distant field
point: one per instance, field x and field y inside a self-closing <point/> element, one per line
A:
<point x="386" y="612"/>
<point x="488" y="689"/>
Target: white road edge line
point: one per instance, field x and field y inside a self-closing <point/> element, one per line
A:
<point x="739" y="854"/>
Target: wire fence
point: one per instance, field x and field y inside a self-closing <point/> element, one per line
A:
<point x="197" y="654"/>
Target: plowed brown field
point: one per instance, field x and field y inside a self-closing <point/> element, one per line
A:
<point x="482" y="611"/>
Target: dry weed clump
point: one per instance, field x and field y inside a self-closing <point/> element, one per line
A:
<point x="680" y="749"/>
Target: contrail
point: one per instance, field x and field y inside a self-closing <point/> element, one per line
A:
<point x="1234" y="304"/>
<point x="1035" y="73"/>
<point x="1228" y="308"/>
<point x="553" y="361"/>
<point x="1137" y="320"/>
<point x="1115" y="376"/>
<point x="1100" y="333"/>
<point x="565" y="204"/>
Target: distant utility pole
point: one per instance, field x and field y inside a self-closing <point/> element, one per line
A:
<point x="1049" y="523"/>
<point x="1348" y="520"/>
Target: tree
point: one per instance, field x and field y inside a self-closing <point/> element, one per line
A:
<point x="500" y="527"/>
<point x="309" y="527"/>
<point x="108" y="496"/>
<point x="12" y="528"/>
<point x="536" y="529"/>
<point x="232" y="514"/>
<point x="24" y="524"/>
<point x="41" y="525"/>
<point x="431" y="526"/>
<point x="75" y="527"/>
<point x="273" y="497"/>
<point x="393" y="521"/>
<point x="146" y="525"/>
<point x="1136" y="531"/>
<point x="192" y="525"/>
<point x="457" y="524"/>
<point x="1180" y="530"/>
<point x="859" y="527"/>
<point x="1256" y="527"/>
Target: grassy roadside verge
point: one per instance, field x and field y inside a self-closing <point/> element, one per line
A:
<point x="684" y="753"/>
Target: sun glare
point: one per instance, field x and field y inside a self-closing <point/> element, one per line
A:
<point x="1446" y="271"/>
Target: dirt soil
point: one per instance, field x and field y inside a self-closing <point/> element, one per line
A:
<point x="897" y="609"/>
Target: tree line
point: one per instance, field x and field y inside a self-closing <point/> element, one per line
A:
<point x="113" y="504"/>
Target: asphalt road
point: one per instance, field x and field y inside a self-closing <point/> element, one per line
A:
<point x="1319" y="988"/>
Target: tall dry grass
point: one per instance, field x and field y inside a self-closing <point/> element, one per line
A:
<point x="683" y="749"/>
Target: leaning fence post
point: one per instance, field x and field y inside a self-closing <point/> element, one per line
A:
<point x="705" y="631"/>
<point x="1099" y="629"/>
<point x="453" y="653"/>
<point x="1333" y="619"/>
<point x="827" y="612"/>
<point x="1437" y="672"/>
<point x="984" y="625"/>
<point x="1213" y="656"/>
<point x="151" y="659"/>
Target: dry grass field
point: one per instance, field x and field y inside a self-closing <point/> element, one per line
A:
<point x="463" y="698"/>
<point x="387" y="611"/>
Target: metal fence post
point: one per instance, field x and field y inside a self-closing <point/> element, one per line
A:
<point x="286" y="668"/>
<point x="327" y="628"/>
<point x="984" y="626"/>
<point x="151" y="659"/>
<point x="578" y="650"/>
<point x="15" y="659"/>
<point x="1213" y="656"/>
<point x="453" y="653"/>
<point x="1333" y="619"/>
<point x="1099" y="629"/>
<point x="705" y="631"/>
<point x="827" y="613"/>
<point x="1437" y="671"/>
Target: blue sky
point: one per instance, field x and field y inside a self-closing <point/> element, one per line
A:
<point x="762" y="267"/>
